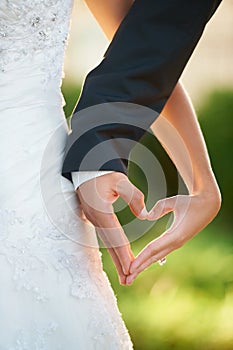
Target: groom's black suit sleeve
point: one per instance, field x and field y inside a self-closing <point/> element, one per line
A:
<point x="129" y="88"/>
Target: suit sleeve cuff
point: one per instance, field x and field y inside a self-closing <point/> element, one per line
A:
<point x="79" y="177"/>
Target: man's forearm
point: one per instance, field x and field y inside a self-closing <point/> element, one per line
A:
<point x="141" y="67"/>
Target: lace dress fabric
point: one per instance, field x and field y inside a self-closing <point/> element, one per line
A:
<point x="54" y="294"/>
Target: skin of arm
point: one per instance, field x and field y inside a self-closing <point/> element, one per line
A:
<point x="179" y="132"/>
<point x="109" y="13"/>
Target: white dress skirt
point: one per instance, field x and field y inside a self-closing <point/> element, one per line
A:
<point x="54" y="294"/>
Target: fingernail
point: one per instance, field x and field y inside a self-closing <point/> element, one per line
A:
<point x="143" y="214"/>
<point x="133" y="267"/>
<point x="129" y="281"/>
<point x="132" y="270"/>
<point x="122" y="281"/>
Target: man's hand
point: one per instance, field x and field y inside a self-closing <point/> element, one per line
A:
<point x="96" y="197"/>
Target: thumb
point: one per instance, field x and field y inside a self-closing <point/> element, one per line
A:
<point x="133" y="196"/>
<point x="161" y="208"/>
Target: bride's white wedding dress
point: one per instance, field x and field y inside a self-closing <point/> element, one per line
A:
<point x="54" y="294"/>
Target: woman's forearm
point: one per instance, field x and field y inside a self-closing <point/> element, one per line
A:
<point x="179" y="132"/>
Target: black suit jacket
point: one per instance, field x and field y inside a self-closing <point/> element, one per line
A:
<point x="125" y="93"/>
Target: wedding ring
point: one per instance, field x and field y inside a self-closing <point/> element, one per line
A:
<point x="162" y="261"/>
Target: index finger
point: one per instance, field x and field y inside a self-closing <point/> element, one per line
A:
<point x="113" y="237"/>
<point x="96" y="200"/>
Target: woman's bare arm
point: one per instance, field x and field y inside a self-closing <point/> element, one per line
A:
<point x="179" y="132"/>
<point x="109" y="13"/>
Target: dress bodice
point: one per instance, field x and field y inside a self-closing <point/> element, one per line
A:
<point x="31" y="30"/>
<point x="54" y="286"/>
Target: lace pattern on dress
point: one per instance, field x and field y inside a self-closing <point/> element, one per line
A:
<point x="38" y="249"/>
<point x="113" y="332"/>
<point x="33" y="36"/>
<point x="42" y="249"/>
<point x="31" y="27"/>
<point x="39" y="336"/>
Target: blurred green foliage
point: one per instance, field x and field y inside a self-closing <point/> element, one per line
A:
<point x="187" y="303"/>
<point x="216" y="119"/>
<point x="71" y="92"/>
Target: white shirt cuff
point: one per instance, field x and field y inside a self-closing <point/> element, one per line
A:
<point x="79" y="177"/>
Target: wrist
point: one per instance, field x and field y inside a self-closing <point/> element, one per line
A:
<point x="209" y="191"/>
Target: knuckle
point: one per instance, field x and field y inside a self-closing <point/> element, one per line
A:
<point x="179" y="242"/>
<point x="138" y="195"/>
<point x="90" y="214"/>
<point x="119" y="176"/>
<point x="150" y="250"/>
<point x="176" y="240"/>
<point x="160" y="204"/>
<point x="109" y="217"/>
<point x="177" y="245"/>
<point x="158" y="208"/>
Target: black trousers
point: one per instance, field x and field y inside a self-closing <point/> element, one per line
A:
<point x="127" y="91"/>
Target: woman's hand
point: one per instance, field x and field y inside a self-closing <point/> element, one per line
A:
<point x="191" y="214"/>
<point x="96" y="197"/>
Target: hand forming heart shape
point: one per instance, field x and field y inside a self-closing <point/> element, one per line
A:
<point x="191" y="214"/>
